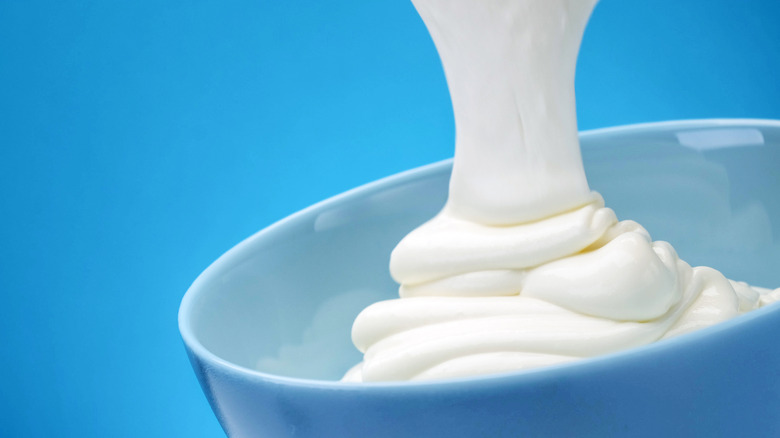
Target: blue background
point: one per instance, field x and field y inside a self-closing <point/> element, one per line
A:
<point x="140" y="140"/>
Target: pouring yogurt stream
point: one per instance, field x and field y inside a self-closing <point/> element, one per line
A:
<point x="525" y="266"/>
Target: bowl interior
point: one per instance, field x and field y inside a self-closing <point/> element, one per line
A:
<point x="283" y="301"/>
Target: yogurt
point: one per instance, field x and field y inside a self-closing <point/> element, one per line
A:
<point x="525" y="266"/>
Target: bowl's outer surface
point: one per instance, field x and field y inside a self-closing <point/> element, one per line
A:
<point x="720" y="381"/>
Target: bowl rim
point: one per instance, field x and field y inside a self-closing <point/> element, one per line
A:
<point x="193" y="293"/>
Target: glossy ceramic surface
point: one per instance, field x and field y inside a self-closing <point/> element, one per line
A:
<point x="267" y="326"/>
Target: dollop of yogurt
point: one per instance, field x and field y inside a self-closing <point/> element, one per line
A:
<point x="525" y="266"/>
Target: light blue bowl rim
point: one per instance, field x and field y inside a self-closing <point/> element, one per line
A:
<point x="517" y="377"/>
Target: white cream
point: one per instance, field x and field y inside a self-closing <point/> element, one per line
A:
<point x="525" y="267"/>
<point x="510" y="68"/>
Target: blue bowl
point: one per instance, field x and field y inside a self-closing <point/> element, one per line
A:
<point x="267" y="326"/>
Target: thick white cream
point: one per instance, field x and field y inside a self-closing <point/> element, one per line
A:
<point x="510" y="68"/>
<point x="525" y="267"/>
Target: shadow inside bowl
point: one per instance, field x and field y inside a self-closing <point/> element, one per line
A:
<point x="289" y="294"/>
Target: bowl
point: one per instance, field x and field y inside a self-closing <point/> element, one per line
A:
<point x="267" y="325"/>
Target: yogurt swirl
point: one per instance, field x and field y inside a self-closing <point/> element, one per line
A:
<point x="525" y="266"/>
<point x="479" y="299"/>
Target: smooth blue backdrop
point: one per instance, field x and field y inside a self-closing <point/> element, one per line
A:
<point x="140" y="140"/>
